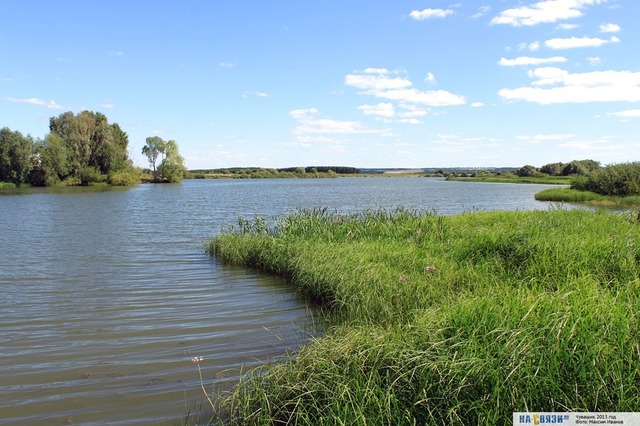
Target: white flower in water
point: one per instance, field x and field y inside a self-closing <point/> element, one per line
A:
<point x="197" y="359"/>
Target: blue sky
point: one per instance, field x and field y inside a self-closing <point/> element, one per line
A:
<point x="381" y="83"/>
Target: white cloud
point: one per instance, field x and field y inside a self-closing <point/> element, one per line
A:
<point x="542" y="12"/>
<point x="107" y="105"/>
<point x="573" y="42"/>
<point x="380" y="110"/>
<point x="594" y="60"/>
<point x="412" y="111"/>
<point x="115" y="53"/>
<point x="533" y="46"/>
<point x="595" y="145"/>
<point x="609" y="28"/>
<point x="630" y="113"/>
<point x="382" y="84"/>
<point x="409" y="121"/>
<point x="227" y="65"/>
<point x="430" y="78"/>
<point x="481" y="12"/>
<point x="526" y="60"/>
<point x="545" y="137"/>
<point x="35" y="101"/>
<point x="376" y="79"/>
<point x="567" y="26"/>
<point x="254" y="94"/>
<point x="564" y="87"/>
<point x="310" y="123"/>
<point x="421" y="15"/>
<point x="477" y="104"/>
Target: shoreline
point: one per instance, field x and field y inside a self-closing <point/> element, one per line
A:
<point x="449" y="319"/>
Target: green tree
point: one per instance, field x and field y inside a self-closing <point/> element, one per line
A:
<point x="53" y="159"/>
<point x="172" y="168"/>
<point x="153" y="148"/>
<point x="552" y="169"/>
<point x="16" y="156"/>
<point x="527" y="171"/>
<point x="92" y="142"/>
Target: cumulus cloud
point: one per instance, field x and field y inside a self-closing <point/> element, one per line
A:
<point x="421" y="15"/>
<point x="412" y="111"/>
<point x="543" y="12"/>
<point x="555" y="86"/>
<point x="573" y="42"/>
<point x="383" y="84"/>
<point x="609" y="28"/>
<point x="382" y="109"/>
<point x="310" y="123"/>
<point x="526" y="60"/>
<point x="35" y="101"/>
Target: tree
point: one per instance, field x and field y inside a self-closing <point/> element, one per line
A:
<point x="53" y="159"/>
<point x="16" y="156"/>
<point x="552" y="169"/>
<point x="153" y="148"/>
<point x="527" y="171"/>
<point x="90" y="141"/>
<point x="172" y="168"/>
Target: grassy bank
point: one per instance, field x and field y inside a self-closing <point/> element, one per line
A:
<point x="569" y="195"/>
<point x="512" y="178"/>
<point x="449" y="320"/>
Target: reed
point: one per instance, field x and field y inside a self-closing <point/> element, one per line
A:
<point x="449" y="320"/>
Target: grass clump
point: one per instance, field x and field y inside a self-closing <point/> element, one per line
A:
<point x="449" y="320"/>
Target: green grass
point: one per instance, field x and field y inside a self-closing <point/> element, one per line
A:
<point x="448" y="320"/>
<point x="544" y="179"/>
<point x="569" y="195"/>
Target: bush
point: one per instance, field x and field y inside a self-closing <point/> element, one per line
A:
<point x="616" y="179"/>
<point x="129" y="177"/>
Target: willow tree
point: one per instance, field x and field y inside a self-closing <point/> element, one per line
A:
<point x="152" y="149"/>
<point x="16" y="156"/>
<point x="171" y="168"/>
<point x="91" y="143"/>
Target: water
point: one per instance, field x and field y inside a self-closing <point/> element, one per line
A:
<point x="106" y="295"/>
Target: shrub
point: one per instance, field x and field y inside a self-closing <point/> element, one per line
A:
<point x="616" y="179"/>
<point x="129" y="177"/>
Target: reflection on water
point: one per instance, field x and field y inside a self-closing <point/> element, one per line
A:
<point x="106" y="295"/>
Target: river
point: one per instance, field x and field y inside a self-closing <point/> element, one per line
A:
<point x="106" y="294"/>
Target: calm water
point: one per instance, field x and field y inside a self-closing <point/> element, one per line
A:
<point x="106" y="295"/>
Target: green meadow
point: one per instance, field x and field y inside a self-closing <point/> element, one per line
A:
<point x="440" y="320"/>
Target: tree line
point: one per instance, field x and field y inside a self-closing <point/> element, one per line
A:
<point x="80" y="149"/>
<point x="575" y="167"/>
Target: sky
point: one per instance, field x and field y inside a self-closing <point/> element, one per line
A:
<point x="369" y="84"/>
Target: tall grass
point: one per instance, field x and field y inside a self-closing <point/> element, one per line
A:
<point x="449" y="320"/>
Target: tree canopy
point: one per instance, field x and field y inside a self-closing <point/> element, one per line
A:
<point x="79" y="149"/>
<point x="171" y="168"/>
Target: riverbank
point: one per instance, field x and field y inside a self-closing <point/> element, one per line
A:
<point x="449" y="319"/>
<point x="569" y="195"/>
<point x="512" y="178"/>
